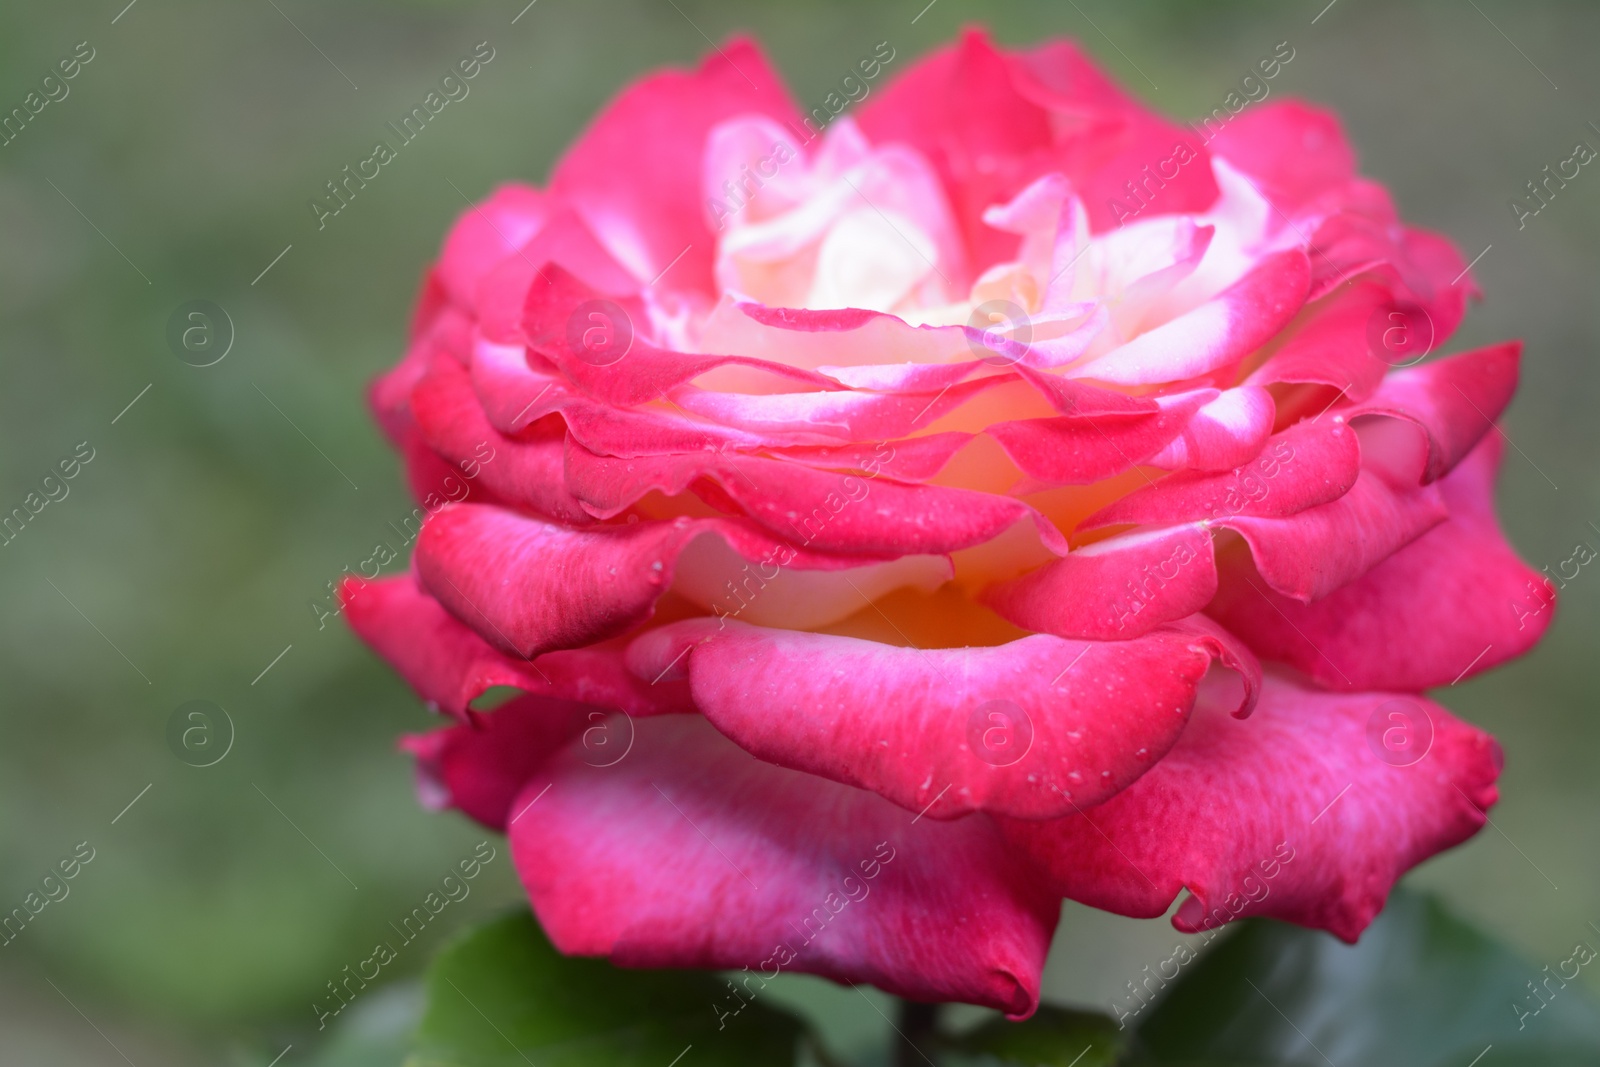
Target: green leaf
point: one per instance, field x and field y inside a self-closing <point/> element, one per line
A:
<point x="1421" y="989"/>
<point x="1053" y="1037"/>
<point x="502" y="996"/>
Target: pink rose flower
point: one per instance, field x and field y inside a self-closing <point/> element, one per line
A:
<point x="887" y="516"/>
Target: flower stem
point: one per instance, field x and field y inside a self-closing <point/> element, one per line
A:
<point x="918" y="1028"/>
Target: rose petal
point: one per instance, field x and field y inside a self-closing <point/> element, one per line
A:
<point x="564" y="244"/>
<point x="1080" y="449"/>
<point x="526" y="469"/>
<point x="546" y="318"/>
<point x="450" y="666"/>
<point x="480" y="768"/>
<point x="846" y="415"/>
<point x="869" y="516"/>
<point x="1292" y="150"/>
<point x="912" y="459"/>
<point x="691" y="853"/>
<point x="1454" y="602"/>
<point x="1217" y="334"/>
<point x="1454" y="401"/>
<point x="1310" y="554"/>
<point x="1104" y="137"/>
<point x="445" y="662"/>
<point x="528" y="586"/>
<point x="1332" y="343"/>
<point x="1291" y="813"/>
<point x="961" y="108"/>
<point x="634" y="175"/>
<point x="487" y="233"/>
<point x="714" y="577"/>
<point x="1116" y="589"/>
<point x="1035" y="728"/>
<point x="1228" y="432"/>
<point x="1310" y="463"/>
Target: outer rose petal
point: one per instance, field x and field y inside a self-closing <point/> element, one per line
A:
<point x="487" y="233"/>
<point x="1298" y="775"/>
<point x="1332" y="343"/>
<point x="691" y="853"/>
<point x="450" y="666"/>
<point x="635" y="173"/>
<point x="991" y="122"/>
<point x="432" y="476"/>
<point x="529" y="586"/>
<point x="1312" y="553"/>
<point x="1456" y="598"/>
<point x="512" y="392"/>
<point x="1292" y="150"/>
<point x="524" y="469"/>
<point x="481" y="768"/>
<point x="1361" y="232"/>
<point x="961" y="109"/>
<point x="444" y="661"/>
<point x="1453" y="401"/>
<point x="390" y="393"/>
<point x="1106" y="137"/>
<point x="1036" y="728"/>
<point x="1438" y="275"/>
<point x="565" y="244"/>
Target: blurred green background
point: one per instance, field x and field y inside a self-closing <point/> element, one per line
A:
<point x="183" y="559"/>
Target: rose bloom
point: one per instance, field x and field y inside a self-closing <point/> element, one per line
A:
<point x="898" y="522"/>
